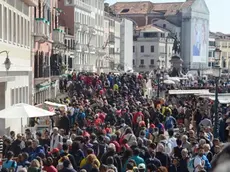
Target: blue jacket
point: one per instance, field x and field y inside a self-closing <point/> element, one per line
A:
<point x="207" y="163"/>
<point x="36" y="152"/>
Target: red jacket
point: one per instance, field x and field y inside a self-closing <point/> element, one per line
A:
<point x="136" y="116"/>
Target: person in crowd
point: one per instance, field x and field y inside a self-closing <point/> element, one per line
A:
<point x="10" y="164"/>
<point x="16" y="145"/>
<point x="56" y="139"/>
<point x="113" y="122"/>
<point x="201" y="162"/>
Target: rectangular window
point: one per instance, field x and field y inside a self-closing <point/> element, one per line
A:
<point x="0" y="21"/>
<point x="152" y="61"/>
<point x="142" y="49"/>
<point x="14" y="26"/>
<point x="18" y="29"/>
<point x="134" y="49"/>
<point x="20" y="95"/>
<point x="133" y="62"/>
<point x="27" y="95"/>
<point x="210" y="54"/>
<point x="24" y="32"/>
<point x="5" y="24"/>
<point x="142" y="62"/>
<point x="21" y="31"/>
<point x="12" y="96"/>
<point x="16" y="96"/>
<point x="10" y="25"/>
<point x="152" y="49"/>
<point x="28" y="33"/>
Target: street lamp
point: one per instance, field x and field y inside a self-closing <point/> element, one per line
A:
<point x="7" y="61"/>
<point x="158" y="74"/>
<point x="216" y="73"/>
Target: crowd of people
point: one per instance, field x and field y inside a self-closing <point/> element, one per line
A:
<point x="113" y="125"/>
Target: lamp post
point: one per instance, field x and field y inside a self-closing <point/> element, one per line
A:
<point x="216" y="73"/>
<point x="158" y="74"/>
<point x="7" y="61"/>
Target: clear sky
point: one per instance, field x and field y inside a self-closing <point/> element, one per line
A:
<point x="219" y="13"/>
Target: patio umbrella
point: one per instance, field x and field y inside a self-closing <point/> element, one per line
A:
<point x="23" y="110"/>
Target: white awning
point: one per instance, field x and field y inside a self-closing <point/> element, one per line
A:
<point x="179" y="92"/>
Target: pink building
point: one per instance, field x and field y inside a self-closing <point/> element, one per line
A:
<point x="48" y="37"/>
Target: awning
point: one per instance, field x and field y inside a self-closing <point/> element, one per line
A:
<point x="223" y="98"/>
<point x="179" y="92"/>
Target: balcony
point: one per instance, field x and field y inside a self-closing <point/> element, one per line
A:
<point x="142" y="66"/>
<point x="58" y="36"/>
<point x="82" y="5"/>
<point x="32" y="3"/>
<point x="151" y="66"/>
<point x="41" y="28"/>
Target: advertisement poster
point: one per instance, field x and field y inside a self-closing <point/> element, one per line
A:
<point x="200" y="41"/>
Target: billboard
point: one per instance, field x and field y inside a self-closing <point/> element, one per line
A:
<point x="200" y="36"/>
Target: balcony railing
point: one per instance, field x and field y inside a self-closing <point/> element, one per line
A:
<point x="32" y="3"/>
<point x="151" y="66"/>
<point x="41" y="28"/>
<point x="141" y="66"/>
<point x="42" y="72"/>
<point x="82" y="5"/>
<point x="58" y="36"/>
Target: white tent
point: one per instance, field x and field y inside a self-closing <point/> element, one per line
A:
<point x="22" y="110"/>
<point x="200" y="91"/>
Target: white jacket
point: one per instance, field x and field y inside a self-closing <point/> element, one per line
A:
<point x="55" y="141"/>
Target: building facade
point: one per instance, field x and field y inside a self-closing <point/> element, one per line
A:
<point x="112" y="41"/>
<point x="126" y="46"/>
<point x="188" y="20"/>
<point x="151" y="45"/>
<point x="48" y="49"/>
<point x="85" y="21"/>
<point x="16" y="43"/>
<point x="211" y="52"/>
<point x="222" y="42"/>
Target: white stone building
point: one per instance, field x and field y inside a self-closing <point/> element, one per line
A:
<point x="211" y="52"/>
<point x="112" y="40"/>
<point x="126" y="50"/>
<point x="15" y="38"/>
<point x="151" y="44"/>
<point x="88" y="24"/>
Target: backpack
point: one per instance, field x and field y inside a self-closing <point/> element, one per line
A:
<point x="11" y="169"/>
<point x="190" y="165"/>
